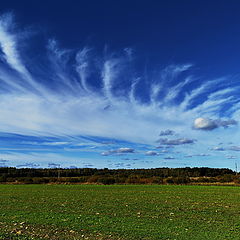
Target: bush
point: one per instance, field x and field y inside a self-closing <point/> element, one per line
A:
<point x="133" y="180"/>
<point x="177" y="180"/>
<point x="106" y="180"/>
<point x="168" y="180"/>
<point x="226" y="178"/>
<point x="3" y="178"/>
<point x="40" y="180"/>
<point x="236" y="179"/>
<point x="181" y="180"/>
<point x="157" y="180"/>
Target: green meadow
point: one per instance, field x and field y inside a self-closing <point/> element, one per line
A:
<point x="119" y="212"/>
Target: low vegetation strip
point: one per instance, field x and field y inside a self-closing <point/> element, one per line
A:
<point x="124" y="212"/>
<point x="120" y="176"/>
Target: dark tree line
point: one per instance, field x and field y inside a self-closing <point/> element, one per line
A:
<point x="118" y="176"/>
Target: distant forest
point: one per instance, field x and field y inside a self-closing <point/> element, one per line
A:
<point x="119" y="176"/>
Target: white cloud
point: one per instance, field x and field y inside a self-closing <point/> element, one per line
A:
<point x="167" y="132"/>
<point x="118" y="151"/>
<point x="231" y="157"/>
<point x="235" y="148"/>
<point x="218" y="149"/>
<point x="125" y="150"/>
<point x="169" y="158"/>
<point x="179" y="141"/>
<point x="209" y="124"/>
<point x="9" y="45"/>
<point x="151" y="153"/>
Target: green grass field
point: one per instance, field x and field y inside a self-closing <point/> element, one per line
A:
<point x="119" y="212"/>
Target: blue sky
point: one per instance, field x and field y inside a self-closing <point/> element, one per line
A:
<point x="119" y="84"/>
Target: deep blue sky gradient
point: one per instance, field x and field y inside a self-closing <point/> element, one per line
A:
<point x="206" y="33"/>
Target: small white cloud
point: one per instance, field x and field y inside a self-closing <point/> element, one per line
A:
<point x="169" y="158"/>
<point x="202" y="155"/>
<point x="231" y="157"/>
<point x="209" y="124"/>
<point x="235" y="148"/>
<point x="164" y="151"/>
<point x="28" y="165"/>
<point x="118" y="151"/>
<point x="204" y="124"/>
<point x="151" y="153"/>
<point x="125" y="150"/>
<point x="167" y="132"/>
<point x="54" y="165"/>
<point x="218" y="149"/>
<point x="179" y="141"/>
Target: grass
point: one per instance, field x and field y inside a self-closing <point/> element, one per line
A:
<point x="119" y="212"/>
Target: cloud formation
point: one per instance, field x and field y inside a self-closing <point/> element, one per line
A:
<point x="231" y="157"/>
<point x="179" y="141"/>
<point x="151" y="153"/>
<point x="54" y="165"/>
<point x="209" y="124"/>
<point x="235" y="148"/>
<point x="3" y="160"/>
<point x="218" y="149"/>
<point x="92" y="93"/>
<point x="36" y="94"/>
<point x="169" y="158"/>
<point x="28" y="165"/>
<point x="118" y="151"/>
<point x="167" y="132"/>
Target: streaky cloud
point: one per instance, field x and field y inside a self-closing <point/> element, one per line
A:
<point x="218" y="149"/>
<point x="118" y="151"/>
<point x="179" y="141"/>
<point x="235" y="148"/>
